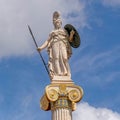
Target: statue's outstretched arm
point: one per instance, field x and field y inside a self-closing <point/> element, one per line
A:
<point x="44" y="45"/>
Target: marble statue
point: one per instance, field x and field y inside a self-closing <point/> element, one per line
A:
<point x="59" y="49"/>
<point x="62" y="94"/>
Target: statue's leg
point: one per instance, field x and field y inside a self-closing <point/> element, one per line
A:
<point x="56" y="62"/>
<point x="65" y="59"/>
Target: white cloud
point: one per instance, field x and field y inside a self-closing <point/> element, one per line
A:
<point x="15" y="15"/>
<point x="94" y="60"/>
<point x="112" y="3"/>
<point x="94" y="63"/>
<point x="85" y="111"/>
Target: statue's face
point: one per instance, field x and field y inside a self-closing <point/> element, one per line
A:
<point x="57" y="24"/>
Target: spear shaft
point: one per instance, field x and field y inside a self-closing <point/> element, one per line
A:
<point x="38" y="51"/>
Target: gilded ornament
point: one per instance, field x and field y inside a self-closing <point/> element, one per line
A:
<point x="52" y="94"/>
<point x="44" y="103"/>
<point x="75" y="95"/>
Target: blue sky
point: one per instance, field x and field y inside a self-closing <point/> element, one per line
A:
<point x="95" y="65"/>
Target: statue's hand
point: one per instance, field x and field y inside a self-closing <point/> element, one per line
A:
<point x="72" y="32"/>
<point x="39" y="49"/>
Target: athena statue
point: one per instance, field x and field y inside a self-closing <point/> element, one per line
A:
<point x="58" y="48"/>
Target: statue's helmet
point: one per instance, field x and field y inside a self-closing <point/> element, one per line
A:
<point x="56" y="17"/>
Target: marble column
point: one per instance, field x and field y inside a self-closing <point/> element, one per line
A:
<point x="61" y="100"/>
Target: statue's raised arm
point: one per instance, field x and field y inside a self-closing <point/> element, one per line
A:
<point x="59" y="49"/>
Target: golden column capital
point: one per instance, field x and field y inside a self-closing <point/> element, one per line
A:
<point x="61" y="96"/>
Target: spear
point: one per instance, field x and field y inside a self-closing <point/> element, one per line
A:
<point x="38" y="51"/>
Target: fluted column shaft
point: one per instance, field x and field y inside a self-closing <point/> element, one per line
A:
<point x="61" y="109"/>
<point x="62" y="114"/>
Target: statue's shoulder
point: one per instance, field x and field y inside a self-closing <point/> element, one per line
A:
<point x="62" y="30"/>
<point x="50" y="34"/>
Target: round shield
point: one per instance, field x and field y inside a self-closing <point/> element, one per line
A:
<point x="76" y="38"/>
